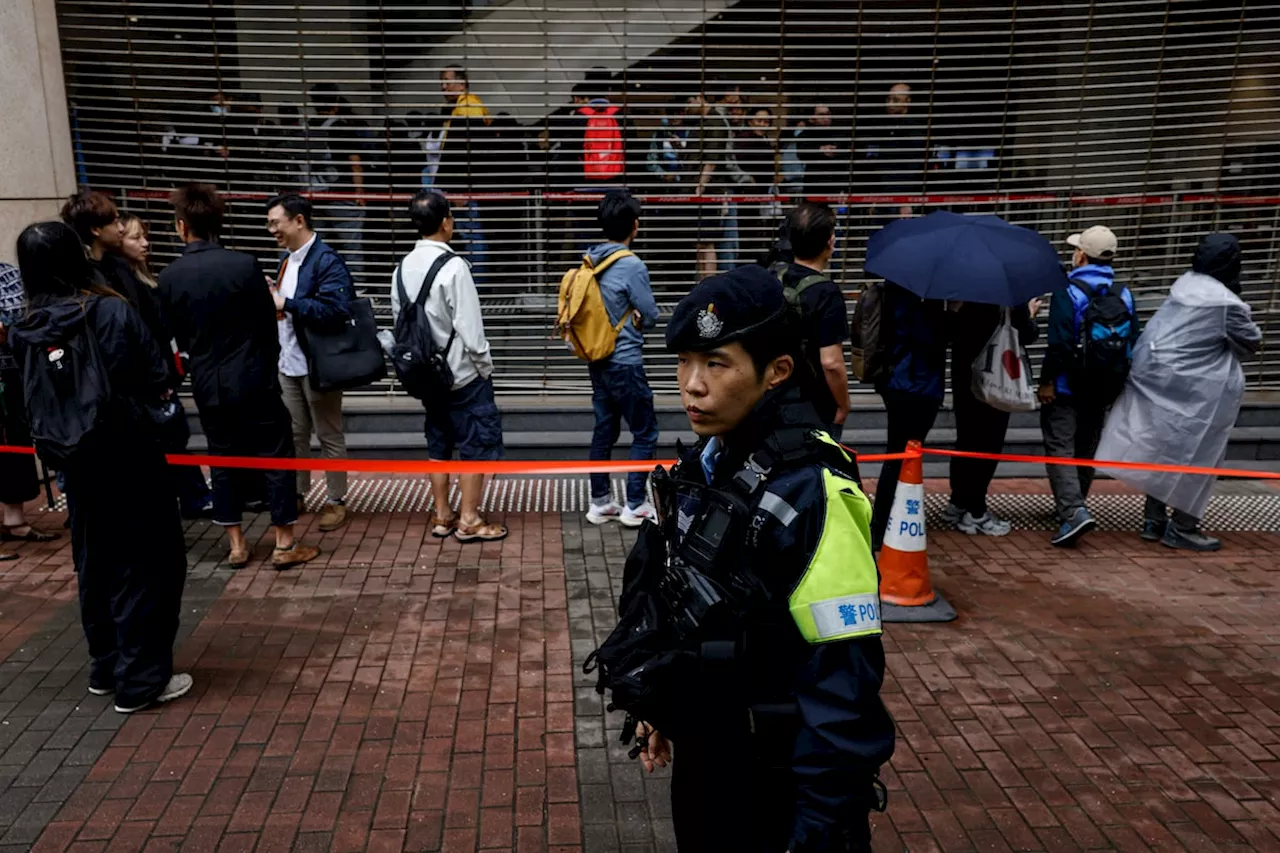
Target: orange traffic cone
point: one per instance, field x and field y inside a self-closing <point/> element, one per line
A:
<point x="906" y="595"/>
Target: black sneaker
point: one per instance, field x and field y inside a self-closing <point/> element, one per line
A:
<point x="1071" y="531"/>
<point x="1189" y="540"/>
<point x="1152" y="530"/>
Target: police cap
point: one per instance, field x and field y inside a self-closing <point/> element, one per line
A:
<point x="723" y="308"/>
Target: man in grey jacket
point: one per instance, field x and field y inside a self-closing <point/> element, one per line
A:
<point x="619" y="388"/>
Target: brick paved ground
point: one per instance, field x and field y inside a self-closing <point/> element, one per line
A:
<point x="1120" y="697"/>
<point x="408" y="694"/>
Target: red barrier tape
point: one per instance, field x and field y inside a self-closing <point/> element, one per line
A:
<point x="582" y="466"/>
<point x="425" y="466"/>
<point x="836" y="199"/>
<point x="1103" y="463"/>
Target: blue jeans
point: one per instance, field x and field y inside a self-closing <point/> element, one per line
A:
<point x="621" y="391"/>
<point x="467" y="219"/>
<point x="728" y="249"/>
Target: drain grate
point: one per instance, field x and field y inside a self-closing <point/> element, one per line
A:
<point x="1227" y="513"/>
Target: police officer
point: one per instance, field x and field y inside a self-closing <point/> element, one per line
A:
<point x="766" y="598"/>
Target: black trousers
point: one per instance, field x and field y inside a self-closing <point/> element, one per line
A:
<point x="979" y="429"/>
<point x="130" y="559"/>
<point x="911" y="416"/>
<point x="725" y="799"/>
<point x="264" y="430"/>
<point x="1158" y="511"/>
<point x="720" y="803"/>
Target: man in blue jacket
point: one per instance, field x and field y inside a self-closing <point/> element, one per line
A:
<point x="312" y="292"/>
<point x="619" y="387"/>
<point x="1074" y="399"/>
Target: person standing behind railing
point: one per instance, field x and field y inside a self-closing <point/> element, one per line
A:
<point x="219" y="307"/>
<point x="619" y="388"/>
<point x="468" y="421"/>
<point x="1183" y="394"/>
<point x="194" y="497"/>
<point x="84" y="350"/>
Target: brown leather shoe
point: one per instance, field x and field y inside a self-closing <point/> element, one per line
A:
<point x="238" y="559"/>
<point x="295" y="556"/>
<point x="332" y="517"/>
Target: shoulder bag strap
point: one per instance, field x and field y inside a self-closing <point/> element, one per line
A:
<point x="1084" y="287"/>
<point x="429" y="280"/>
<point x="604" y="264"/>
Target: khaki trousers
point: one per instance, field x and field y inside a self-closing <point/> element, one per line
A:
<point x="322" y="412"/>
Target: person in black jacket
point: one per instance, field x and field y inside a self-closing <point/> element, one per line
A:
<point x="979" y="427"/>
<point x="221" y="313"/>
<point x="96" y="220"/>
<point x="126" y="535"/>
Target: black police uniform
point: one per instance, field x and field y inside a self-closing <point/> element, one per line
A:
<point x="770" y="695"/>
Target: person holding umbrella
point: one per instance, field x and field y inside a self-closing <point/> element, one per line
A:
<point x="927" y="263"/>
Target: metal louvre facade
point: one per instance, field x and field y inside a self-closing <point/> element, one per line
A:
<point x="1159" y="119"/>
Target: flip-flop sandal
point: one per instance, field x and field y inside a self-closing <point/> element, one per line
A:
<point x="482" y="532"/>
<point x="442" y="528"/>
<point x="32" y="535"/>
<point x="8" y="558"/>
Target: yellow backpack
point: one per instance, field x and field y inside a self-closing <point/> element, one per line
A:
<point x="581" y="318"/>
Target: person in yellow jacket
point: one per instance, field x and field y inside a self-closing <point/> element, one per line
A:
<point x="749" y="644"/>
<point x="466" y="104"/>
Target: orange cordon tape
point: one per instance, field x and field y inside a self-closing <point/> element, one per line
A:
<point x="1103" y="463"/>
<point x="626" y="466"/>
<point x="423" y="466"/>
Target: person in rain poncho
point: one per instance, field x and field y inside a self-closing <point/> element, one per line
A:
<point x="1184" y="392"/>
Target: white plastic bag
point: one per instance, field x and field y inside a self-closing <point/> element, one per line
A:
<point x="1002" y="371"/>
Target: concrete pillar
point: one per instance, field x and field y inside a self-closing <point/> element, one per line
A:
<point x="36" y="166"/>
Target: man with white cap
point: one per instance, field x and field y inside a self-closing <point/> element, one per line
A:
<point x="1092" y="330"/>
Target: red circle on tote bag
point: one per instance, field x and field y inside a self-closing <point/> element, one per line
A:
<point x="1012" y="364"/>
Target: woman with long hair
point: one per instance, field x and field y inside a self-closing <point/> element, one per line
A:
<point x="136" y="248"/>
<point x="126" y="534"/>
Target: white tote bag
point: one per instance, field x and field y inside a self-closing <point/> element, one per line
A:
<point x="1002" y="371"/>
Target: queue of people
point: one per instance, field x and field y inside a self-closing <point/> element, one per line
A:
<point x="248" y="345"/>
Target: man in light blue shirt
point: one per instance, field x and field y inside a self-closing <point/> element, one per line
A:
<point x="619" y="388"/>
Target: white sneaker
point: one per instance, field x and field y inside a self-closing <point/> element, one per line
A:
<point x="178" y="686"/>
<point x="987" y="525"/>
<point x="953" y="515"/>
<point x="639" y="515"/>
<point x="604" y="513"/>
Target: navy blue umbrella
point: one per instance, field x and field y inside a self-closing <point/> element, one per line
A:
<point x="972" y="258"/>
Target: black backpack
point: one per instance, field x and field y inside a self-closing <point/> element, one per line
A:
<point x="1106" y="344"/>
<point x="868" y="338"/>
<point x="420" y="365"/>
<point x="68" y="396"/>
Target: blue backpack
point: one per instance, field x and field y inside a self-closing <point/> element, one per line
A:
<point x="1106" y="344"/>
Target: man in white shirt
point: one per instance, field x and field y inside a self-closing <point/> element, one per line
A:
<point x="313" y="291"/>
<point x="468" y="421"/>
